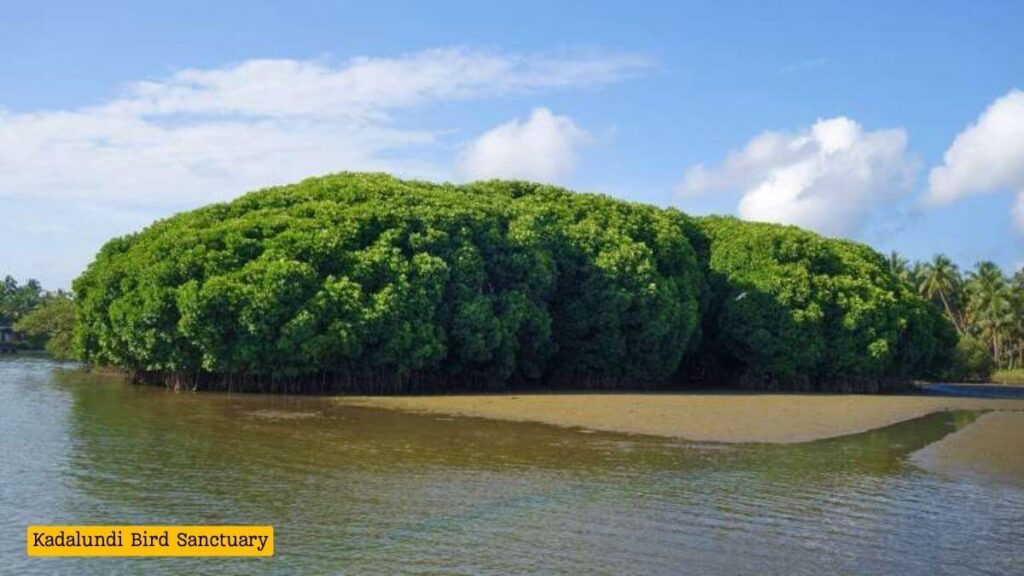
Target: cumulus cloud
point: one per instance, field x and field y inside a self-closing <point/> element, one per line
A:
<point x="201" y="135"/>
<point x="206" y="134"/>
<point x="987" y="156"/>
<point x="542" y="148"/>
<point x="829" y="177"/>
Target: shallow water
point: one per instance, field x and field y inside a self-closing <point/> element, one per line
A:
<point x="356" y="490"/>
<point x="974" y="390"/>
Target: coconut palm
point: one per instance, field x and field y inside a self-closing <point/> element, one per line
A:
<point x="989" y="305"/>
<point x="1017" y="324"/>
<point x="900" y="267"/>
<point x="940" y="279"/>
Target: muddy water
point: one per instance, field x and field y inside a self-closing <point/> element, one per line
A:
<point x="356" y="490"/>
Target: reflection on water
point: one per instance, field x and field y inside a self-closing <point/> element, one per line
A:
<point x="358" y="490"/>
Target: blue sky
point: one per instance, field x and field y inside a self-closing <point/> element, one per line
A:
<point x="898" y="124"/>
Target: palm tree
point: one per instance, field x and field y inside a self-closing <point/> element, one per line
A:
<point x="1017" y="323"/>
<point x="917" y="273"/>
<point x="989" y="304"/>
<point x="900" y="267"/>
<point x="940" y="278"/>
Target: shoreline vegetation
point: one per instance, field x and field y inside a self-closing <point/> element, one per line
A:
<point x="1013" y="377"/>
<point x="366" y="284"/>
<point x="34" y="320"/>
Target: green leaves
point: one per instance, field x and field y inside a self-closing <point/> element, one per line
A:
<point x="53" y="321"/>
<point x="363" y="272"/>
<point x="488" y="282"/>
<point x="813" y="310"/>
<point x="16" y="299"/>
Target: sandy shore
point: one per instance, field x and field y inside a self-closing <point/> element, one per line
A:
<point x="714" y="417"/>
<point x="990" y="447"/>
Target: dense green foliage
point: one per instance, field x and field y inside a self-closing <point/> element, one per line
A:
<point x="357" y="278"/>
<point x="792" y="309"/>
<point x="985" y="306"/>
<point x="39" y="319"/>
<point x="1013" y="376"/>
<point x="971" y="361"/>
<point x="17" y="299"/>
<point x="51" y="322"/>
<point x="369" y="275"/>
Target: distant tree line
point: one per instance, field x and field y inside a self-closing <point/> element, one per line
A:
<point x="40" y="319"/>
<point x="17" y="300"/>
<point x="984" y="305"/>
<point x="366" y="283"/>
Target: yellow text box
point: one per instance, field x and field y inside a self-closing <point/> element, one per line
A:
<point x="149" y="540"/>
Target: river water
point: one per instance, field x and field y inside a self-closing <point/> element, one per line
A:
<point x="363" y="491"/>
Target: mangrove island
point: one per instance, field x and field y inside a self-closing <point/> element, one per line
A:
<point x="367" y="284"/>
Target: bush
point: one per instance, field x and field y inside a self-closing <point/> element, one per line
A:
<point x="1014" y="376"/>
<point x="972" y="361"/>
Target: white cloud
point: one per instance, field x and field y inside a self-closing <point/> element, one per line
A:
<point x="542" y="148"/>
<point x="210" y="134"/>
<point x="202" y="135"/>
<point x="290" y="88"/>
<point x="987" y="156"/>
<point x="829" y="177"/>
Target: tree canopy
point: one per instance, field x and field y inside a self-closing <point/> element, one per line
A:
<point x="367" y="274"/>
<point x="985" y="306"/>
<point x="795" y="310"/>
<point x="51" y="323"/>
<point x="356" y="278"/>
<point x="18" y="299"/>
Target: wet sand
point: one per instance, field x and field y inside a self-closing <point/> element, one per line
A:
<point x="705" y="417"/>
<point x="991" y="447"/>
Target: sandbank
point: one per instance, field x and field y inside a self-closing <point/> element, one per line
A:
<point x="705" y="417"/>
<point x="989" y="447"/>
